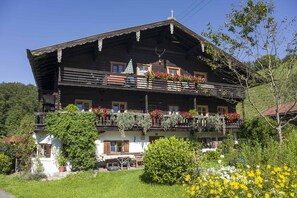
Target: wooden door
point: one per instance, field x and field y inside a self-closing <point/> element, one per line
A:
<point x="140" y="71"/>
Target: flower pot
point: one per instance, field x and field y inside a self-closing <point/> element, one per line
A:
<point x="62" y="169"/>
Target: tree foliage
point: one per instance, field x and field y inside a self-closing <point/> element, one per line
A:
<point x="251" y="33"/>
<point x="26" y="145"/>
<point x="77" y="133"/>
<point x="16" y="101"/>
<point x="5" y="164"/>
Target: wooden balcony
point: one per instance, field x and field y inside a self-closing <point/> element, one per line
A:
<point x="93" y="78"/>
<point x="109" y="123"/>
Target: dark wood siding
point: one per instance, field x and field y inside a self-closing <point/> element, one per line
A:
<point x="142" y="52"/>
<point x="136" y="99"/>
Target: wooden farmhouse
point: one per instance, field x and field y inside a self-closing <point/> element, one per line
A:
<point x="148" y="68"/>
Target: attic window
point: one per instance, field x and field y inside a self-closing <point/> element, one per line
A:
<point x="173" y="70"/>
<point x="117" y="67"/>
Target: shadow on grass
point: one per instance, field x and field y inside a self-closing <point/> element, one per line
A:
<point x="145" y="178"/>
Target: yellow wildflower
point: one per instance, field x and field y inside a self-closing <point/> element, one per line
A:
<point x="268" y="166"/>
<point x="292" y="194"/>
<point x="244" y="187"/>
<point x="188" y="178"/>
<point x="249" y="195"/>
<point x="197" y="187"/>
<point x="273" y="172"/>
<point x="251" y="173"/>
<point x="243" y="180"/>
<point x="258" y="180"/>
<point x="258" y="172"/>
<point x="267" y="195"/>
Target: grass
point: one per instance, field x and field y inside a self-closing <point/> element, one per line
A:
<point x="106" y="184"/>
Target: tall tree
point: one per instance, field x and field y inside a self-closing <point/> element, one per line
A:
<point x="16" y="101"/>
<point x="249" y="33"/>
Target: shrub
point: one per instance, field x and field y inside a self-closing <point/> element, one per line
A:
<point x="35" y="176"/>
<point x="5" y="164"/>
<point x="72" y="108"/>
<point x="168" y="160"/>
<point x="77" y="133"/>
<point x="257" y="130"/>
<point x="212" y="155"/>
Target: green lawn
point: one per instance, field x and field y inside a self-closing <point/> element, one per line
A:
<point x="106" y="184"/>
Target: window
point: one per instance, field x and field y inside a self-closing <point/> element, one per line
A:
<point x="173" y="70"/>
<point x="83" y="105"/>
<point x="117" y="67"/>
<point x="143" y="68"/>
<point x="154" y="138"/>
<point x="43" y="150"/>
<point x="119" y="107"/>
<point x="116" y="146"/>
<point x="222" y="110"/>
<point x="201" y="74"/>
<point x="173" y="109"/>
<point x="202" y="110"/>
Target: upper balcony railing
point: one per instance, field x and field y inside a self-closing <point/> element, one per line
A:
<point x="94" y="78"/>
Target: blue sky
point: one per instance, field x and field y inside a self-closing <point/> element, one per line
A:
<point x="33" y="24"/>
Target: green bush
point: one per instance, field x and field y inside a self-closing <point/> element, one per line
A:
<point x="168" y="160"/>
<point x="212" y="155"/>
<point x="257" y="130"/>
<point x="5" y="164"/>
<point x="72" y="108"/>
<point x="272" y="153"/>
<point x="35" y="176"/>
<point x="77" y="132"/>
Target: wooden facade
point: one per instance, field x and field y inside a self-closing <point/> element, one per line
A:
<point x="89" y="71"/>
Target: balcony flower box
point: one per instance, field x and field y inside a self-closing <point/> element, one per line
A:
<point x="231" y="117"/>
<point x="156" y="117"/>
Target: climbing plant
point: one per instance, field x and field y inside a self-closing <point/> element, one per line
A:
<point x="128" y="120"/>
<point x="171" y="121"/>
<point x="77" y="133"/>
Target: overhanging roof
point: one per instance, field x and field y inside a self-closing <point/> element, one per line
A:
<point x="44" y="61"/>
<point x="95" y="38"/>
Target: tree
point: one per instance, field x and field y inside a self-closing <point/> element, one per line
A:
<point x="251" y="32"/>
<point x="26" y="145"/>
<point x="16" y="101"/>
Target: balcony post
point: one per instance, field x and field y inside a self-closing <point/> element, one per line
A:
<point x="195" y="103"/>
<point x="146" y="103"/>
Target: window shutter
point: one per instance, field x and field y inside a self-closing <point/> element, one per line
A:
<point x="126" y="146"/>
<point x="48" y="150"/>
<point x="106" y="147"/>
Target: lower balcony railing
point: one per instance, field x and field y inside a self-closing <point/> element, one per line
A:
<point x="168" y="122"/>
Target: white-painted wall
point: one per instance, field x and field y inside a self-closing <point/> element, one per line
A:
<point x="137" y="144"/>
<point x="50" y="165"/>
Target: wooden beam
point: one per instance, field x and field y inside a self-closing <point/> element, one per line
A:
<point x="195" y="103"/>
<point x="100" y="43"/>
<point x="171" y="28"/>
<point x="59" y="55"/>
<point x="146" y="103"/>
<point x="138" y="36"/>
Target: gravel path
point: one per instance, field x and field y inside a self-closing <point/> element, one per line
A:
<point x="5" y="194"/>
